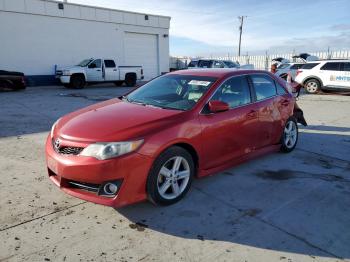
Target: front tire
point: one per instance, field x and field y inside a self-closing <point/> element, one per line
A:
<point x="77" y="82"/>
<point x="290" y="136"/>
<point x="170" y="177"/>
<point x="312" y="86"/>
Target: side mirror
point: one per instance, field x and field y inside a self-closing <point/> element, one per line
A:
<point x="93" y="65"/>
<point x="217" y="106"/>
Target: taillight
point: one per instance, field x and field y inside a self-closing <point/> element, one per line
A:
<point x="23" y="80"/>
<point x="299" y="71"/>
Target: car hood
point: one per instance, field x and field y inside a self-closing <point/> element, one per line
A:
<point x="73" y="68"/>
<point x="113" y="120"/>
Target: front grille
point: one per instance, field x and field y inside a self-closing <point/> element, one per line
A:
<point x="65" y="150"/>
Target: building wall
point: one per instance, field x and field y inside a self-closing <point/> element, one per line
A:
<point x="36" y="35"/>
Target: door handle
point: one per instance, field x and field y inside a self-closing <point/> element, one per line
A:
<point x="115" y="69"/>
<point x="99" y="70"/>
<point x="252" y="114"/>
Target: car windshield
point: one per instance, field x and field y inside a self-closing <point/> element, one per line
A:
<point x="230" y="64"/>
<point x="178" y="92"/>
<point x="85" y="62"/>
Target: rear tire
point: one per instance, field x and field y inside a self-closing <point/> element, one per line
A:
<point x="130" y="80"/>
<point x="170" y="177"/>
<point x="77" y="82"/>
<point x="312" y="86"/>
<point x="290" y="135"/>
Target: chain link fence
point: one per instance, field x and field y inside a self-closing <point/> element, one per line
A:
<point x="260" y="61"/>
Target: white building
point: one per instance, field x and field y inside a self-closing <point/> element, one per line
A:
<point x="36" y="35"/>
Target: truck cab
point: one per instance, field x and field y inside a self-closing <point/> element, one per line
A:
<point x="99" y="70"/>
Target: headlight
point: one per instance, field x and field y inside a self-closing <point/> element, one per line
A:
<point x="54" y="126"/>
<point x="103" y="151"/>
<point x="66" y="73"/>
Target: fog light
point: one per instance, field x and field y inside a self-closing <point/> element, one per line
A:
<point x="110" y="189"/>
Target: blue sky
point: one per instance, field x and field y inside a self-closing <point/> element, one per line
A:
<point x="204" y="28"/>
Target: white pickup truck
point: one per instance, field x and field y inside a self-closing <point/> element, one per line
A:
<point x="98" y="70"/>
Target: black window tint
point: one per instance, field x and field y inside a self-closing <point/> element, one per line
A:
<point x="193" y="64"/>
<point x="332" y="66"/>
<point x="280" y="89"/>
<point x="97" y="63"/>
<point x="309" y="65"/>
<point x="346" y="67"/>
<point x="296" y="66"/>
<point x="264" y="86"/>
<point x="218" y="64"/>
<point x="234" y="92"/>
<point x="109" y="64"/>
<point x="205" y="64"/>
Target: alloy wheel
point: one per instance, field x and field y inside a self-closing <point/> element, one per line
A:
<point x="290" y="134"/>
<point x="173" y="177"/>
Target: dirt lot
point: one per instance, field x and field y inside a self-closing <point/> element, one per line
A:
<point x="282" y="207"/>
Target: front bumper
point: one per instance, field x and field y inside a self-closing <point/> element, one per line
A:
<point x="131" y="170"/>
<point x="65" y="79"/>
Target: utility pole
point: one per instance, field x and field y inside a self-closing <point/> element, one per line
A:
<point x="241" y="20"/>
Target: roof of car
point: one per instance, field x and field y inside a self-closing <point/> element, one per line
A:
<point x="216" y="72"/>
<point x="329" y="60"/>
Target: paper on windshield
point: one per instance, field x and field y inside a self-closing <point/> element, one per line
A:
<point x="199" y="83"/>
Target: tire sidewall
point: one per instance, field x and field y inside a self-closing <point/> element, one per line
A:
<point x="130" y="80"/>
<point x="152" y="180"/>
<point x="284" y="147"/>
<point x="77" y="82"/>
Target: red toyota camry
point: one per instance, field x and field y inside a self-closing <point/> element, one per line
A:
<point x="151" y="143"/>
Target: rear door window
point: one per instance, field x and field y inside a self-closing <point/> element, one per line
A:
<point x="331" y="66"/>
<point x="205" y="64"/>
<point x="264" y="86"/>
<point x="109" y="64"/>
<point x="218" y="64"/>
<point x="346" y="67"/>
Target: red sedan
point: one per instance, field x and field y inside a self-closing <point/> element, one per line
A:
<point x="151" y="143"/>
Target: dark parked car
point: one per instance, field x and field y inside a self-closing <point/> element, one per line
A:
<point x="12" y="80"/>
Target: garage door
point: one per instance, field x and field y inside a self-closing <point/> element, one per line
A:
<point x="142" y="49"/>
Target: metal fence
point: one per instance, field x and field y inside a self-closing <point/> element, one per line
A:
<point x="261" y="61"/>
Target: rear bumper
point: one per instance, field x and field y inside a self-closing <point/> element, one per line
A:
<point x="130" y="170"/>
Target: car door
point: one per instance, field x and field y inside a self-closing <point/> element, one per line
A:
<point x="270" y="108"/>
<point x="110" y="71"/>
<point x="345" y="74"/>
<point x="231" y="134"/>
<point x="94" y="71"/>
<point x="329" y="74"/>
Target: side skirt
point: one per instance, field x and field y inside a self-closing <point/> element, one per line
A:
<point x="237" y="161"/>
